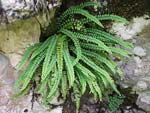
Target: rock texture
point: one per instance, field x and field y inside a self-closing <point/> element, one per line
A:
<point x="137" y="68"/>
<point x="11" y="10"/>
<point x="17" y="32"/>
<point x="20" y="27"/>
<point x="20" y="105"/>
<point x="14" y="38"/>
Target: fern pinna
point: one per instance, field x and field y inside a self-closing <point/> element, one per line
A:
<point x="78" y="56"/>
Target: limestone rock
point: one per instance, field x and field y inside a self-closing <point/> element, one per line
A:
<point x="15" y="37"/>
<point x="130" y="30"/>
<point x="143" y="101"/>
<point x="11" y="10"/>
<point x="4" y="64"/>
<point x="19" y="105"/>
<point x="139" y="51"/>
<point x="141" y="86"/>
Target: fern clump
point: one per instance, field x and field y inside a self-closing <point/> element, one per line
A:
<point x="78" y="56"/>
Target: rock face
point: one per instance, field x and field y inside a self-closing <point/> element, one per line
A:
<point x="17" y="32"/>
<point x="137" y="68"/>
<point x="143" y="101"/>
<point x="139" y="51"/>
<point x="10" y="10"/>
<point x="20" y="27"/>
<point x="20" y="105"/>
<point x="15" y="37"/>
<point x="4" y="63"/>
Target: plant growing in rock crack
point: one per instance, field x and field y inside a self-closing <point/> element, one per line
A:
<point x="78" y="56"/>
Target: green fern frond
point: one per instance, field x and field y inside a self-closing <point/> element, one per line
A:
<point x="60" y="45"/>
<point x="50" y="67"/>
<point x="27" y="55"/>
<point x="41" y="48"/>
<point x="93" y="40"/>
<point x="110" y="37"/>
<point x="76" y="43"/>
<point x="92" y="89"/>
<point x="91" y="46"/>
<point x="101" y="71"/>
<point x="25" y="79"/>
<point x="105" y="17"/>
<point x="100" y="58"/>
<point x="77" y="96"/>
<point x="47" y="61"/>
<point x="64" y="85"/>
<point x="54" y="87"/>
<point x="120" y="51"/>
<point x="86" y="72"/>
<point x="81" y="12"/>
<point x="111" y="17"/>
<point x="82" y="82"/>
<point x="69" y="65"/>
<point x="97" y="89"/>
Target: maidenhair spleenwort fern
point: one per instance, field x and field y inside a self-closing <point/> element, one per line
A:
<point x="78" y="56"/>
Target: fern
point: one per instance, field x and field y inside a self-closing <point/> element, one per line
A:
<point x="114" y="102"/>
<point x="47" y="60"/>
<point x="69" y="65"/>
<point x="77" y="57"/>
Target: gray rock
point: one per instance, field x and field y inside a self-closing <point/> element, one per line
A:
<point x="139" y="51"/>
<point x="4" y="64"/>
<point x="19" y="9"/>
<point x="143" y="101"/>
<point x="140" y="86"/>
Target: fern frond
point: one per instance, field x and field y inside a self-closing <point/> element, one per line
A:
<point x="120" y="51"/>
<point x="97" y="89"/>
<point x="60" y="44"/>
<point x="85" y="71"/>
<point x="91" y="46"/>
<point x="94" y="40"/>
<point x="64" y="85"/>
<point x="111" y="17"/>
<point x="69" y="65"/>
<point x="74" y="57"/>
<point x="87" y="38"/>
<point x="101" y="71"/>
<point x="82" y="82"/>
<point x="54" y="87"/>
<point x="47" y="60"/>
<point x="110" y="37"/>
<point x="29" y="73"/>
<point x="76" y="43"/>
<point x="27" y="55"/>
<point x="77" y="96"/>
<point x="105" y="17"/>
<point x="81" y="12"/>
<point x="42" y="47"/>
<point x="100" y="58"/>
<point x="92" y="89"/>
<point x="50" y="67"/>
